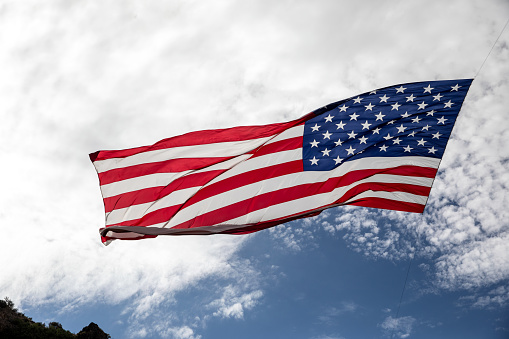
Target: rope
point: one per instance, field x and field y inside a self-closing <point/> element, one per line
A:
<point x="403" y="292"/>
<point x="412" y="257"/>
<point x="503" y="29"/>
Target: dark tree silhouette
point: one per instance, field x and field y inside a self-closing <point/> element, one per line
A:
<point x="15" y="325"/>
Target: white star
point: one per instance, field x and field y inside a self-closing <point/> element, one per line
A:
<point x="376" y="131"/>
<point x="357" y="100"/>
<point x="315" y="128"/>
<point x="350" y="150"/>
<point x="351" y="135"/>
<point x="391" y="122"/>
<point x="366" y="125"/>
<point x="339" y="142"/>
<point x="426" y="127"/>
<point x="422" y="105"/>
<point x="432" y="150"/>
<point x="448" y="104"/>
<point x="314" y="143"/>
<point x="384" y="148"/>
<point x="328" y="118"/>
<point x="437" y="97"/>
<point x="442" y="120"/>
<point x="326" y="135"/>
<point x="384" y="98"/>
<point x="455" y="88"/>
<point x="343" y="108"/>
<point x="395" y="106"/>
<point x="397" y="141"/>
<point x="325" y="152"/>
<point x="431" y="112"/>
<point x="421" y="142"/>
<point x="428" y="89"/>
<point x="408" y="148"/>
<point x="354" y="116"/>
<point x="314" y="161"/>
<point x="416" y="120"/>
<point x="406" y="115"/>
<point x="400" y="89"/>
<point x="401" y="129"/>
<point x="372" y="92"/>
<point x="369" y="107"/>
<point x="412" y="134"/>
<point x="363" y="139"/>
<point x="379" y="116"/>
<point x="436" y="135"/>
<point x="410" y="98"/>
<point x="388" y="136"/>
<point x="338" y="160"/>
<point x="341" y="125"/>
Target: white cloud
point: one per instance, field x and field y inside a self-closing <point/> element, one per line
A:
<point x="401" y="327"/>
<point x="78" y="77"/>
<point x="493" y="299"/>
<point x="183" y="332"/>
<point x="330" y="314"/>
<point x="328" y="337"/>
<point x="232" y="303"/>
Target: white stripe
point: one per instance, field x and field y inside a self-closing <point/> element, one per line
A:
<point x="277" y="212"/>
<point x="296" y="154"/>
<point x="162" y="179"/>
<point x="220" y="149"/>
<point x="171" y="200"/>
<point x="317" y="201"/>
<point x="282" y="182"/>
<point x="260" y="162"/>
<point x="138" y="183"/>
<point x="398" y="196"/>
<point x="270" y="185"/>
<point x="292" y="132"/>
<point x="137" y="211"/>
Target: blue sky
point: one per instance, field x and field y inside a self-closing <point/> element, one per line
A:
<point x="79" y="77"/>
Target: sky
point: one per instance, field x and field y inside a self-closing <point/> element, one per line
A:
<point x="77" y="77"/>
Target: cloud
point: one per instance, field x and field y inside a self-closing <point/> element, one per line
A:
<point x="330" y="314"/>
<point x="464" y="229"/>
<point x="82" y="77"/>
<point x="328" y="337"/>
<point x="493" y="299"/>
<point x="232" y="304"/>
<point x="401" y="327"/>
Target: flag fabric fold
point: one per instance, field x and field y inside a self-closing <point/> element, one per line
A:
<point x="380" y="149"/>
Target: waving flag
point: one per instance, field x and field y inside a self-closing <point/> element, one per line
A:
<point x="379" y="149"/>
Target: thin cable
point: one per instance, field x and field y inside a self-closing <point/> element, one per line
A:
<point x="403" y="292"/>
<point x="503" y="29"/>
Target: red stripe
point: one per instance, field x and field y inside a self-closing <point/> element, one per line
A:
<point x="385" y="187"/>
<point x="156" y="217"/>
<point x="154" y="193"/>
<point x="200" y="179"/>
<point x="244" y="179"/>
<point x="168" y="166"/>
<point x="288" y="194"/>
<point x="261" y="174"/>
<point x="162" y="215"/>
<point x="179" y="165"/>
<point x="278" y="146"/>
<point x="205" y="137"/>
<point x="190" y="180"/>
<point x="292" y="193"/>
<point x="390" y="205"/>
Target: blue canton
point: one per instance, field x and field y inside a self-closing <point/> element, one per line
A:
<point x="414" y="119"/>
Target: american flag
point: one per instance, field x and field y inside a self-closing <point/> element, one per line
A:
<point x="379" y="149"/>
